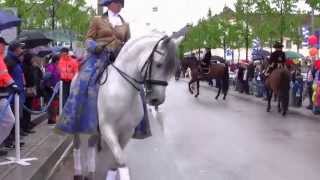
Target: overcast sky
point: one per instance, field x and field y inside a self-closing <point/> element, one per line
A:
<point x="172" y="14"/>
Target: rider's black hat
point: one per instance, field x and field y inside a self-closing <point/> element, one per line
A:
<point x="277" y="45"/>
<point x="108" y="2"/>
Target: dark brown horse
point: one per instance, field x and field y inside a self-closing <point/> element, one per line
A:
<point x="219" y="72"/>
<point x="278" y="83"/>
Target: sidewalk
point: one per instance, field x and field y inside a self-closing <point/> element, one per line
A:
<point x="302" y="111"/>
<point x="45" y="145"/>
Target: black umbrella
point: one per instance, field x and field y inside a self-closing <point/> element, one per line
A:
<point x="8" y="20"/>
<point x="260" y="54"/>
<point x="32" y="39"/>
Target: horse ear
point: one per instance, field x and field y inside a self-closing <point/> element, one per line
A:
<point x="178" y="41"/>
<point x="166" y="40"/>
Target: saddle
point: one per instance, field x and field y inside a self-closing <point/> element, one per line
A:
<point x="271" y="68"/>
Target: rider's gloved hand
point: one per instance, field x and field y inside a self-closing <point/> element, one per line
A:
<point x="99" y="49"/>
<point x="91" y="45"/>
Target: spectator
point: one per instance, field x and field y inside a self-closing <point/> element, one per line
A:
<point x="6" y="86"/>
<point x="309" y="84"/>
<point x="38" y="70"/>
<point x="51" y="78"/>
<point x="13" y="61"/>
<point x="68" y="68"/>
<point x="31" y="91"/>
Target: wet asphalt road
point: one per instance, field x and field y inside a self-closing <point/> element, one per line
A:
<point x="205" y="139"/>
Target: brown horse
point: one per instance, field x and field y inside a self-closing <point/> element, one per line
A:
<point x="220" y="72"/>
<point x="279" y="83"/>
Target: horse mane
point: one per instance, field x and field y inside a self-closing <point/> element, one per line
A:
<point x="147" y="43"/>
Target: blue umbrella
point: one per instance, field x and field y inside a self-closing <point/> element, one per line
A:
<point x="7" y="20"/>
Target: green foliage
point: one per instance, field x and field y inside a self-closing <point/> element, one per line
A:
<point x="71" y="15"/>
<point x="314" y="4"/>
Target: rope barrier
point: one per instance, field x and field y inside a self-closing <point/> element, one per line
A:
<point x="45" y="109"/>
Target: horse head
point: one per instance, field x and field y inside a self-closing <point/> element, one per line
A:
<point x="159" y="68"/>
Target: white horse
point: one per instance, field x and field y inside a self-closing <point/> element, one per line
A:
<point x="147" y="62"/>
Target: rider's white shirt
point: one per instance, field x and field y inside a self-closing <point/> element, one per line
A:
<point x="114" y="19"/>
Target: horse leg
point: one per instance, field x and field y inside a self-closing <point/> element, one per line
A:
<point x="77" y="158"/>
<point x="198" y="89"/>
<point x="218" y="91"/>
<point x="111" y="138"/>
<point x="190" y="89"/>
<point x="269" y="96"/>
<point x="224" y="95"/>
<point x="279" y="104"/>
<point x="91" y="156"/>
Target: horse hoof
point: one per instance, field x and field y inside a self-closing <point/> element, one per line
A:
<point x="284" y="114"/>
<point x="268" y="110"/>
<point x="224" y="98"/>
<point x="196" y="95"/>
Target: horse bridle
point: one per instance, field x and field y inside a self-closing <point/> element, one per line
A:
<point x="147" y="81"/>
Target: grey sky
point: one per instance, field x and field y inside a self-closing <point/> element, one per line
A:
<point x="171" y="15"/>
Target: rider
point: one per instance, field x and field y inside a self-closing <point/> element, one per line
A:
<point x="277" y="59"/>
<point x="205" y="63"/>
<point x="106" y="34"/>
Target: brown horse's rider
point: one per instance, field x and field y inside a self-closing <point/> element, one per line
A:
<point x="277" y="59"/>
<point x="205" y="63"/>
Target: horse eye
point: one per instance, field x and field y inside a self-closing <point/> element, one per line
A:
<point x="159" y="65"/>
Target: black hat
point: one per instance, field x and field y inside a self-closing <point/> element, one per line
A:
<point x="15" y="45"/>
<point x="108" y="2"/>
<point x="278" y="45"/>
<point x="64" y="50"/>
<point x="3" y="41"/>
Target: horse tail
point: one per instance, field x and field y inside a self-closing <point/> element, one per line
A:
<point x="225" y="79"/>
<point x="284" y="88"/>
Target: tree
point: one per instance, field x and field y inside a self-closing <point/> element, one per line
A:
<point x="284" y="8"/>
<point x="245" y="10"/>
<point x="71" y="15"/>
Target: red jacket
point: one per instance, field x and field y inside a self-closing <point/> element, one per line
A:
<point x="5" y="78"/>
<point x="68" y="68"/>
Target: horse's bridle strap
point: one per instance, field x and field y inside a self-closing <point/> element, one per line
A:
<point x="148" y="64"/>
<point x="157" y="82"/>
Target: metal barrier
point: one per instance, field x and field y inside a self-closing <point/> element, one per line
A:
<point x="17" y="159"/>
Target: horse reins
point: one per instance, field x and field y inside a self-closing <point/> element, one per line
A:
<point x="147" y="67"/>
